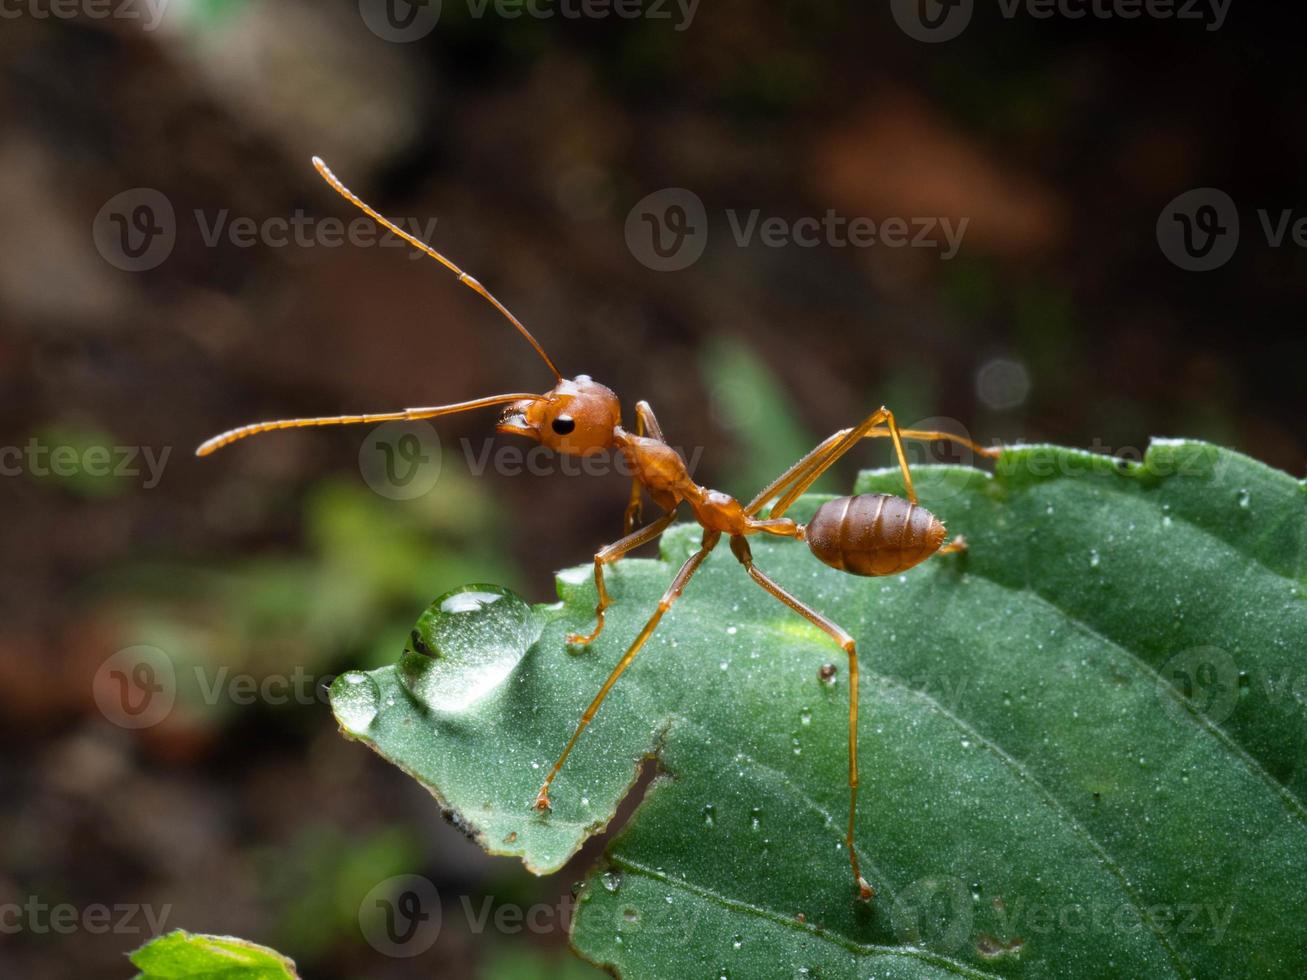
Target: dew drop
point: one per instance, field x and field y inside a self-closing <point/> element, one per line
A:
<point x="805" y="717"/>
<point x="466" y="645"/>
<point x="737" y="941"/>
<point x="755" y="818"/>
<point x="710" y="816"/>
<point x="612" y="881"/>
<point x="1244" y="498"/>
<point x="1094" y="558"/>
<point x="355" y="699"/>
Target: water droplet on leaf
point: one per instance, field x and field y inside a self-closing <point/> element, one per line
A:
<point x="475" y="636"/>
<point x="355" y="699"/>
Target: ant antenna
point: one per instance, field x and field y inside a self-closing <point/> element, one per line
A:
<point x="422" y="246"/>
<point x="403" y="415"/>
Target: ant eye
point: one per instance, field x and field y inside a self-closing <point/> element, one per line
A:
<point x="564" y="424"/>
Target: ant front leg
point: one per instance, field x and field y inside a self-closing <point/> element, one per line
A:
<point x="608" y="555"/>
<point x="645" y="424"/>
<point x="740" y="547"/>
<point x="710" y="539"/>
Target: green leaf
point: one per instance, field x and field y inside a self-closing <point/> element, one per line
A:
<point x="193" y="956"/>
<point x="1082" y="741"/>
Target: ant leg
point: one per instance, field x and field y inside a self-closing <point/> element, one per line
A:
<point x="930" y="435"/>
<point x="795" y="472"/>
<point x="634" y="508"/>
<point x="710" y="539"/>
<point x="644" y="421"/>
<point x="958" y="544"/>
<point x="822" y="463"/>
<point x="821" y="456"/>
<point x="740" y="547"/>
<point x="610" y="554"/>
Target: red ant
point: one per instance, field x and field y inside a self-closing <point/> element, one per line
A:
<point x="868" y="534"/>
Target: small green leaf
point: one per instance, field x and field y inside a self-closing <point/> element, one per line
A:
<point x="1082" y="741"/>
<point x="182" y="955"/>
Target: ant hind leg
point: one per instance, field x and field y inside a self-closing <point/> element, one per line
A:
<point x="740" y="547"/>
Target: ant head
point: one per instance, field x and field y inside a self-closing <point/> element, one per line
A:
<point x="578" y="417"/>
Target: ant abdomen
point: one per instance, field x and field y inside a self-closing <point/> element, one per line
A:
<point x="873" y="534"/>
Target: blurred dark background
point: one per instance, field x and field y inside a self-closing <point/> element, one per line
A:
<point x="1061" y="318"/>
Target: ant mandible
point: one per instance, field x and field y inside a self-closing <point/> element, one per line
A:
<point x="868" y="534"/>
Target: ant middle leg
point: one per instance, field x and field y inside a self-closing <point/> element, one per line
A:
<point x="608" y="555"/>
<point x="740" y="547"/>
<point x="710" y="539"/>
